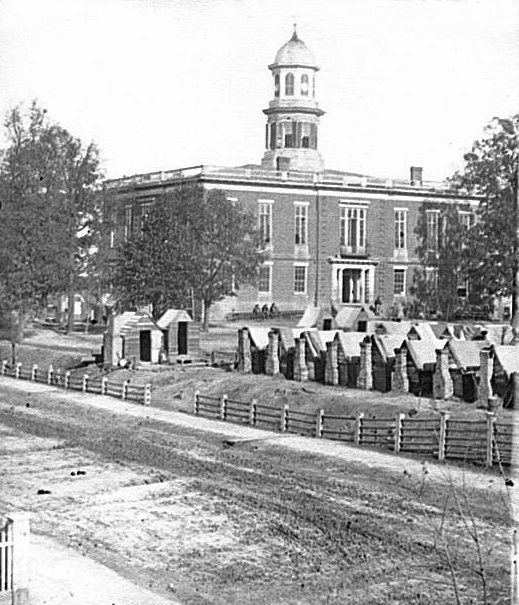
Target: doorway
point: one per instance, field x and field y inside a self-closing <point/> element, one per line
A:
<point x="182" y="338"/>
<point x="145" y="345"/>
<point x="351" y="285"/>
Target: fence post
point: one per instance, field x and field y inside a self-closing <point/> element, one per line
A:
<point x="398" y="431"/>
<point x="252" y="412"/>
<point x="84" y="383"/>
<point x="3" y="367"/>
<point x="21" y="557"/>
<point x="358" y="429"/>
<point x="104" y="385"/>
<point x="223" y="407"/>
<point x="319" y="421"/>
<point x="124" y="389"/>
<point x="66" y="383"/>
<point x="284" y="419"/>
<point x="147" y="394"/>
<point x="444" y="418"/>
<point x="34" y="372"/>
<point x="18" y="370"/>
<point x="491" y="418"/>
<point x="57" y="377"/>
<point x="197" y="403"/>
<point x="50" y="372"/>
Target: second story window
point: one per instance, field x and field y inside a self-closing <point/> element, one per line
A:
<point x="128" y="219"/>
<point x="301" y="224"/>
<point x="265" y="221"/>
<point x="289" y="85"/>
<point x="432" y="231"/>
<point x="399" y="282"/>
<point x="353" y="228"/>
<point x="289" y="128"/>
<point x="466" y="219"/>
<point x="145" y="211"/>
<point x="400" y="229"/>
<point x="264" y="281"/>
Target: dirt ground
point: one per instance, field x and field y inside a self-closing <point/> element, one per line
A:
<point x="181" y="512"/>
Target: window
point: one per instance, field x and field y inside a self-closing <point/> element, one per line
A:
<point x="300" y="279"/>
<point x="276" y="86"/>
<point x="399" y="282"/>
<point x="304" y="85"/>
<point x="264" y="278"/>
<point x="462" y="286"/>
<point x="353" y="228"/>
<point x="289" y="134"/>
<point x="400" y="229"/>
<point x="301" y="224"/>
<point x="466" y="219"/>
<point x="431" y="279"/>
<point x="432" y="229"/>
<point x="145" y="211"/>
<point x="273" y="142"/>
<point x="265" y="221"/>
<point x="128" y="220"/>
<point x="306" y="131"/>
<point x="112" y="238"/>
<point x="289" y="85"/>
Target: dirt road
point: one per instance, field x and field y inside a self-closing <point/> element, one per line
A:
<point x="178" y="511"/>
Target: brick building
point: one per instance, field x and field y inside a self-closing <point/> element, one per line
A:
<point x="333" y="238"/>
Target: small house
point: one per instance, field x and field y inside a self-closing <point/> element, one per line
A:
<point x="348" y="357"/>
<point x="353" y="319"/>
<point x="259" y="340"/>
<point x="131" y="337"/>
<point x="464" y="364"/>
<point x="506" y="363"/>
<point x="421" y="362"/>
<point x="179" y="337"/>
<point x="383" y="359"/>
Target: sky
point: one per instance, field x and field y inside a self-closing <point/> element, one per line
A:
<point x="163" y="84"/>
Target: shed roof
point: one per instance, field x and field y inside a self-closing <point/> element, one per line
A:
<point x="423" y="331"/>
<point x="139" y="321"/>
<point x="347" y="317"/>
<point x="259" y="336"/>
<point x="422" y="352"/>
<point x="173" y="316"/>
<point x="310" y="317"/>
<point x="390" y="327"/>
<point x="466" y="352"/>
<point x="349" y="342"/>
<point x="498" y="334"/>
<point x="387" y="343"/>
<point x="508" y="358"/>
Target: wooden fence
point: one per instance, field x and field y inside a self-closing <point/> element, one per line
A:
<point x="441" y="436"/>
<point x="100" y="385"/>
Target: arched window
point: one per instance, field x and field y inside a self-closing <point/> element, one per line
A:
<point x="276" y="85"/>
<point x="304" y="85"/>
<point x="289" y="85"/>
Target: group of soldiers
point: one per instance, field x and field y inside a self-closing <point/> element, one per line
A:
<point x="265" y="312"/>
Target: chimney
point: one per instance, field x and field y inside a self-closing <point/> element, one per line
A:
<point x="416" y="176"/>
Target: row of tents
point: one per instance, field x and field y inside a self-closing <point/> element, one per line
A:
<point x="440" y="360"/>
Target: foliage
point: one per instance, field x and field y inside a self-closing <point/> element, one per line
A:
<point x="50" y="210"/>
<point x="442" y="252"/>
<point x="491" y="171"/>
<point x="194" y="243"/>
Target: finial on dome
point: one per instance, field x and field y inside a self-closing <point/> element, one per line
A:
<point x="294" y="35"/>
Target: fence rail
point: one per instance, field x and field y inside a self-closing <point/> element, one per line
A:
<point x="484" y="441"/>
<point x="99" y="385"/>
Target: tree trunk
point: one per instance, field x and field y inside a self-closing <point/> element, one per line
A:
<point x="71" y="295"/>
<point x="205" y="323"/>
<point x="13" y="353"/>
<point x="515" y="276"/>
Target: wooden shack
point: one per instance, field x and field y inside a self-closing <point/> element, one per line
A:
<point x="142" y="339"/>
<point x="353" y="319"/>
<point x="259" y="340"/>
<point x="421" y="362"/>
<point x="383" y="359"/>
<point x="506" y="364"/>
<point x="348" y="357"/>
<point x="179" y="335"/>
<point x="464" y="364"/>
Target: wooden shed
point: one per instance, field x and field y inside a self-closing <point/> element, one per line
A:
<point x="141" y="339"/>
<point x="506" y="363"/>
<point x="259" y="340"/>
<point x="464" y="364"/>
<point x="383" y="359"/>
<point x="179" y="337"/>
<point x="348" y="357"/>
<point x="421" y="362"/>
<point x="353" y="319"/>
<point x="315" y="352"/>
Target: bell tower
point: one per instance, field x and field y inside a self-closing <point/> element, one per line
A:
<point x="292" y="127"/>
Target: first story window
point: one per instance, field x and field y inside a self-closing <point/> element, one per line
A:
<point x="399" y="282"/>
<point x="432" y="229"/>
<point x="300" y="274"/>
<point x="264" y="281"/>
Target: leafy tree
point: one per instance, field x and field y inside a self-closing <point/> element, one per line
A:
<point x="194" y="242"/>
<point x="491" y="259"/>
<point x="442" y="242"/>
<point x="49" y="211"/>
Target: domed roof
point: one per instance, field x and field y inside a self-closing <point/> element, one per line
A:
<point x="295" y="52"/>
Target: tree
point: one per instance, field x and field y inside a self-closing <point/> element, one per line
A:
<point x="193" y="242"/>
<point x="442" y="235"/>
<point x="491" y="259"/>
<point x="49" y="209"/>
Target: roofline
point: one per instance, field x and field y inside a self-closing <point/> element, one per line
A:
<point x="273" y="66"/>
